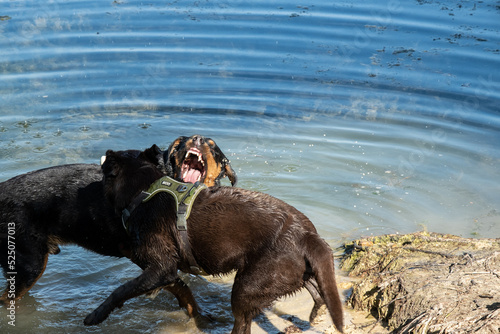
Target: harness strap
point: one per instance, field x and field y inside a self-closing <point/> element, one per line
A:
<point x="131" y="207"/>
<point x="184" y="195"/>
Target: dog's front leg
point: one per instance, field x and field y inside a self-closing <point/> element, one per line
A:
<point x="150" y="279"/>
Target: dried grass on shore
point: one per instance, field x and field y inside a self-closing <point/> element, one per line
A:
<point x="427" y="282"/>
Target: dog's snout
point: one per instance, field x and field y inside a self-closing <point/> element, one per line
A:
<point x="198" y="140"/>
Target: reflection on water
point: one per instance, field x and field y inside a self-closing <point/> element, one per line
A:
<point x="372" y="118"/>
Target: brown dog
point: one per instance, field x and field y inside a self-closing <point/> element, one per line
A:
<point x="273" y="247"/>
<point x="196" y="158"/>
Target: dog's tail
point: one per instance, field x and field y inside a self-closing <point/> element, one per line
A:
<point x="320" y="257"/>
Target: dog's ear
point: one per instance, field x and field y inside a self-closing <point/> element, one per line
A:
<point x="155" y="155"/>
<point x="226" y="169"/>
<point x="230" y="173"/>
<point x="167" y="155"/>
<point x="110" y="165"/>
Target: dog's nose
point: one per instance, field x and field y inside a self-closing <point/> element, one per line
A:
<point x="198" y="140"/>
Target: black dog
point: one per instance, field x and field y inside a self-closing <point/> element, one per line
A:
<point x="58" y="205"/>
<point x="64" y="204"/>
<point x="53" y="206"/>
<point x="273" y="247"/>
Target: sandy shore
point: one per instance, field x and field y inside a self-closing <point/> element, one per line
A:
<point x="291" y="315"/>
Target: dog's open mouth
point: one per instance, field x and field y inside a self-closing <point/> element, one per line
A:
<point x="193" y="166"/>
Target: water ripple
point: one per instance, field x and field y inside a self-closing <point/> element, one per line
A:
<point x="369" y="117"/>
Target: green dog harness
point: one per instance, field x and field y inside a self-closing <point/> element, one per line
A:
<point x="184" y="195"/>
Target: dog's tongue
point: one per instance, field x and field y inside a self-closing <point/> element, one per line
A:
<point x="192" y="175"/>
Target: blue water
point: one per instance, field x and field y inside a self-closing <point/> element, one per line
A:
<point x="369" y="117"/>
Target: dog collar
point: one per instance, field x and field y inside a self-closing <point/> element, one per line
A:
<point x="184" y="195"/>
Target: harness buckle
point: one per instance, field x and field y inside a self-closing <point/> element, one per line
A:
<point x="181" y="222"/>
<point x="182" y="188"/>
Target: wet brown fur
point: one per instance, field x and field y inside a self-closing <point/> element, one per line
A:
<point x="274" y="249"/>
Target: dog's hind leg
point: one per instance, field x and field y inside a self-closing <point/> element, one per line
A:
<point x="261" y="282"/>
<point x="29" y="268"/>
<point x="247" y="300"/>
<point x="312" y="286"/>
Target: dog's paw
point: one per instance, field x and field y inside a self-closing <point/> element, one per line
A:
<point x="317" y="314"/>
<point x="203" y="320"/>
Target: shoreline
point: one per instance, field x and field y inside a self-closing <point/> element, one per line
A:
<point x="426" y="282"/>
<point x="415" y="283"/>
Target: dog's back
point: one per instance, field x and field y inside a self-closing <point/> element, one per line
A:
<point x="41" y="187"/>
<point x="64" y="204"/>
